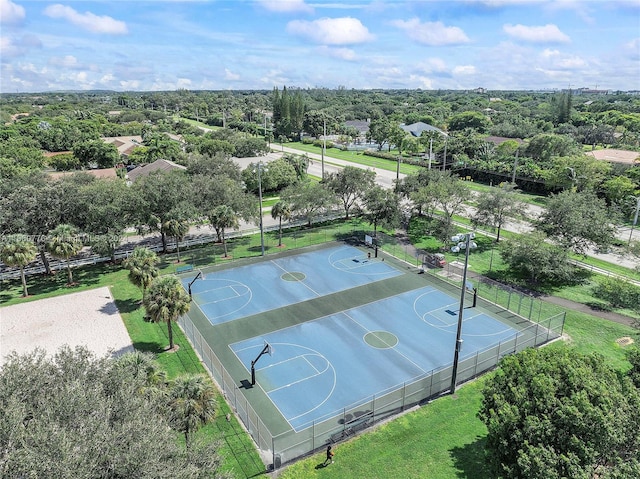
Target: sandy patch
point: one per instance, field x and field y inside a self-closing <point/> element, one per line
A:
<point x="88" y="318"/>
<point x="617" y="156"/>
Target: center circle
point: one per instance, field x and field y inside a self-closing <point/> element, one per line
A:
<point x="381" y="339"/>
<point x="293" y="276"/>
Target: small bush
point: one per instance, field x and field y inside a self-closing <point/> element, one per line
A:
<point x="618" y="293"/>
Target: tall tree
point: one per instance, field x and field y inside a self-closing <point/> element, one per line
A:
<point x="162" y="193"/>
<point x="63" y="243"/>
<point x="165" y="301"/>
<point x="578" y="221"/>
<point x="533" y="257"/>
<point x="496" y="206"/>
<point x="142" y="266"/>
<point x="178" y="228"/>
<point x="281" y="211"/>
<point x="221" y="218"/>
<point x="308" y="199"/>
<point x="104" y="155"/>
<point x="192" y="402"/>
<point x="381" y="208"/>
<point x="444" y="194"/>
<point x="18" y="250"/>
<point x="379" y="132"/>
<point x="554" y="412"/>
<point x="350" y="184"/>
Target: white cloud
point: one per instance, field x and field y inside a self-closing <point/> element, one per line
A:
<point x="541" y="34"/>
<point x="556" y="60"/>
<point x="285" y="6"/>
<point x="341" y="53"/>
<point x="11" y="48"/>
<point x="68" y="61"/>
<point x="108" y="78"/>
<point x="130" y="85"/>
<point x="431" y="33"/>
<point x="88" y="21"/>
<point x="275" y="77"/>
<point x="11" y="13"/>
<point x="432" y="65"/>
<point x="331" y="31"/>
<point x="464" y="70"/>
<point x="632" y="49"/>
<point x="183" y="83"/>
<point x="229" y="75"/>
<point x="418" y="81"/>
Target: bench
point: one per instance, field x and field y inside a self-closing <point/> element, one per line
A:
<point x="352" y="427"/>
<point x="184" y="268"/>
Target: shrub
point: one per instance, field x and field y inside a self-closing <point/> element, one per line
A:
<point x="618" y="293"/>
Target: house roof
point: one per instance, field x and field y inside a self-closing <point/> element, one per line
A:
<point x="416" y="129"/>
<point x="124" y="144"/>
<point x="158" y="165"/>
<point x="106" y="173"/>
<point x="361" y="125"/>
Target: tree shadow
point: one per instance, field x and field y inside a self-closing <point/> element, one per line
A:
<point x="149" y="347"/>
<point x="127" y="305"/>
<point x="470" y="460"/>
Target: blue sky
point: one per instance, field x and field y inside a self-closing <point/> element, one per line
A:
<point x="261" y="44"/>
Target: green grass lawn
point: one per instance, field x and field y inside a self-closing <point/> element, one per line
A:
<point x="354" y="157"/>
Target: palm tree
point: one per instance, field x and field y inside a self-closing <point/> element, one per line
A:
<point x="222" y="217"/>
<point x="281" y="210"/>
<point x="192" y="404"/>
<point x="166" y="301"/>
<point x="18" y="250"/>
<point x="142" y="267"/>
<point x="143" y="366"/>
<point x="63" y="243"/>
<point x="178" y="229"/>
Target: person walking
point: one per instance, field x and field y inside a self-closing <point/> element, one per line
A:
<point x="329" y="459"/>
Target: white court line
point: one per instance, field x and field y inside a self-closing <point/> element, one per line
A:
<point x="314" y="368"/>
<point x="507" y="328"/>
<point x="301" y="282"/>
<point x="267" y="393"/>
<point x="352" y="270"/>
<point x="390" y="347"/>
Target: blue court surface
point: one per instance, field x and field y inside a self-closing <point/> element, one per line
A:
<point x="239" y="292"/>
<point x="322" y="366"/>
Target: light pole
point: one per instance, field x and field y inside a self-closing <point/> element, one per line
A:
<point x="259" y="168"/>
<point x="635" y="218"/>
<point x="324" y="144"/>
<point x="463" y="241"/>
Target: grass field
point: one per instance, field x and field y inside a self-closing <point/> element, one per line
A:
<point x="441" y="440"/>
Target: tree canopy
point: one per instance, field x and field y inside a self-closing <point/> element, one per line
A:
<point x="555" y="413"/>
<point x="75" y="415"/>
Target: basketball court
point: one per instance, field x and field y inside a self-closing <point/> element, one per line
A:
<point x="328" y="328"/>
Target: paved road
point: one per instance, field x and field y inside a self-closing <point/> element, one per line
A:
<point x="386" y="179"/>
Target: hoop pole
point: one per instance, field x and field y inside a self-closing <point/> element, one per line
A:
<point x="253" y="364"/>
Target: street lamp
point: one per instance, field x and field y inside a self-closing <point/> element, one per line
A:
<point x="635" y="218"/>
<point x="463" y="242"/>
<point x="259" y="168"/>
<point x="324" y="144"/>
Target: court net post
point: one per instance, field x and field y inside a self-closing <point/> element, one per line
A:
<point x="266" y="349"/>
<point x="199" y="275"/>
